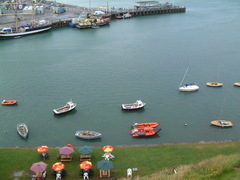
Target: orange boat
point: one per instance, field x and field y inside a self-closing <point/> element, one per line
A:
<point x="140" y="132"/>
<point x="144" y="125"/>
<point x="9" y="102"/>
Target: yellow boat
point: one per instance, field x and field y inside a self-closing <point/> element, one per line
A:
<point x="237" y="83"/>
<point x="214" y="84"/>
<point x="222" y="123"/>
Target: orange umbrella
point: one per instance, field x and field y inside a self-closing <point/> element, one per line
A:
<point x="58" y="166"/>
<point x="42" y="149"/>
<point x="85" y="165"/>
<point x="107" y="148"/>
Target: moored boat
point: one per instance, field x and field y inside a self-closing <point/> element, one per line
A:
<point x="237" y="84"/>
<point x="134" y="106"/>
<point x="214" y="84"/>
<point x="9" y="102"/>
<point x="68" y="107"/>
<point x="222" y="123"/>
<point x="93" y="23"/>
<point x="22" y="129"/>
<point x="189" y="87"/>
<point x="144" y="125"/>
<point x="140" y="132"/>
<point x="85" y="134"/>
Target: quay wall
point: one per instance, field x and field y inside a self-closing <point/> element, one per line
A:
<point x="134" y="12"/>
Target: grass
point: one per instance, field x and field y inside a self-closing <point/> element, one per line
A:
<point x="193" y="161"/>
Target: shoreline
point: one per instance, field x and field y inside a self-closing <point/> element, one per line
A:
<point x="136" y="145"/>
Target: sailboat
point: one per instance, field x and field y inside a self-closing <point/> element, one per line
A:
<point x="23" y="30"/>
<point x="188" y="87"/>
<point x="215" y="84"/>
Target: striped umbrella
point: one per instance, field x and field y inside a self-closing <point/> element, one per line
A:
<point x="85" y="165"/>
<point x="42" y="149"/>
<point x="58" y="166"/>
<point x="108" y="148"/>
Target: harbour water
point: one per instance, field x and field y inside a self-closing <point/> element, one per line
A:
<point x="139" y="58"/>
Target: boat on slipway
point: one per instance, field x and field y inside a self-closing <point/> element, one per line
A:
<point x="22" y="130"/>
<point x="144" y="125"/>
<point x="134" y="106"/>
<point x="9" y="102"/>
<point x="85" y="134"/>
<point x="141" y="132"/>
<point x="214" y="84"/>
<point x="68" y="107"/>
<point x="222" y="123"/>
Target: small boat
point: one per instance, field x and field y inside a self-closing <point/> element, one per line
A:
<point x="9" y="102"/>
<point x="140" y="132"/>
<point x="68" y="107"/>
<point x="84" y="134"/>
<point x="22" y="129"/>
<point x="222" y="123"/>
<point x="143" y="125"/>
<point x="237" y="84"/>
<point x="93" y="23"/>
<point x="137" y="105"/>
<point x="189" y="87"/>
<point x="214" y="84"/>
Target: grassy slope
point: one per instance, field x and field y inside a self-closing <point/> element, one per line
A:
<point x="148" y="160"/>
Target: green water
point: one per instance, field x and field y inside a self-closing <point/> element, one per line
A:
<point x="140" y="58"/>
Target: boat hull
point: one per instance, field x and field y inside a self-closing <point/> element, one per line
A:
<point x="143" y="125"/>
<point x="93" y="26"/>
<point x="214" y="84"/>
<point x="222" y="123"/>
<point x="84" y="134"/>
<point x="134" y="106"/>
<point x="237" y="84"/>
<point x="67" y="108"/>
<point x="22" y="130"/>
<point x="143" y="132"/>
<point x="9" y="102"/>
<point x="189" y="88"/>
<point x="26" y="33"/>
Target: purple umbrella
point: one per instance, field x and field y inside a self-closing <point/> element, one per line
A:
<point x="66" y="150"/>
<point x="38" y="167"/>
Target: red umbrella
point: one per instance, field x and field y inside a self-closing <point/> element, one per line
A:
<point x="38" y="167"/>
<point x="66" y="150"/>
<point x="85" y="165"/>
<point x="108" y="148"/>
<point x="58" y="166"/>
<point x="42" y="149"/>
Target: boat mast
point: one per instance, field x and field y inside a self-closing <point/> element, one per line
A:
<point x="184" y="77"/>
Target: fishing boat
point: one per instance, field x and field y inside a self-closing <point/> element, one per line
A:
<point x="22" y="129"/>
<point x="237" y="84"/>
<point x="214" y="84"/>
<point x="188" y="87"/>
<point x="9" y="102"/>
<point x="68" y="107"/>
<point x="85" y="134"/>
<point x="144" y="125"/>
<point x="140" y="132"/>
<point x="26" y="29"/>
<point x="222" y="123"/>
<point x="134" y="106"/>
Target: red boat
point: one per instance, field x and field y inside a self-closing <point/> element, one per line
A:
<point x="144" y="125"/>
<point x="140" y="132"/>
<point x="9" y="102"/>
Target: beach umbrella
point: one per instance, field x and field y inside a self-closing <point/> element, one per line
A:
<point x="58" y="166"/>
<point x="66" y="150"/>
<point x="85" y="150"/>
<point x="104" y="165"/>
<point x="85" y="165"/>
<point x="108" y="148"/>
<point x="38" y="167"/>
<point x="42" y="149"/>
